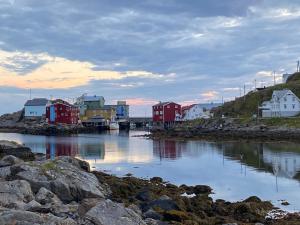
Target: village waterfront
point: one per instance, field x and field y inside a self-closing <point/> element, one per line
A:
<point x="234" y="170"/>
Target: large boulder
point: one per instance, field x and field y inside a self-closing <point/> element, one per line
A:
<point x="9" y="160"/>
<point x="44" y="196"/>
<point x="5" y="172"/>
<point x="107" y="212"/>
<point x="21" y="152"/>
<point x="8" y="216"/>
<point x="64" y="177"/>
<point x="15" y="194"/>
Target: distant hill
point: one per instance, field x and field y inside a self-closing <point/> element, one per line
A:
<point x="247" y="106"/>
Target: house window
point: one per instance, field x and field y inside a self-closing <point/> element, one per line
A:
<point x="168" y="106"/>
<point x="160" y="112"/>
<point x="176" y="106"/>
<point x="156" y="112"/>
<point x="285" y="106"/>
<point x="293" y="106"/>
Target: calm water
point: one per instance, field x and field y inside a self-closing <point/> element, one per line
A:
<point x="234" y="170"/>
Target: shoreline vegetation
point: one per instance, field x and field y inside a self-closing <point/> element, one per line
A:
<point x="36" y="190"/>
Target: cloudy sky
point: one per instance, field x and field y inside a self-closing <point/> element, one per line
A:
<point x="143" y="51"/>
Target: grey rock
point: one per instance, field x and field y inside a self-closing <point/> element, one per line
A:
<point x="135" y="208"/>
<point x="45" y="196"/>
<point x="51" y="203"/>
<point x="33" y="173"/>
<point x="30" y="218"/>
<point x="80" y="164"/>
<point x="5" y="172"/>
<point x="9" y="160"/>
<point x="164" y="197"/>
<point x="152" y="215"/>
<point x="107" y="212"/>
<point x="14" y="194"/>
<point x="87" y="204"/>
<point x="32" y="206"/>
<point x="166" y="204"/>
<point x="63" y="177"/>
<point x="149" y="221"/>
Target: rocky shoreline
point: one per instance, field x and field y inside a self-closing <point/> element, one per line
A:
<point x="34" y="190"/>
<point x="227" y="129"/>
<point x="48" y="130"/>
<point x="262" y="134"/>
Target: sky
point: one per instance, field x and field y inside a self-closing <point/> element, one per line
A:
<point x="144" y="51"/>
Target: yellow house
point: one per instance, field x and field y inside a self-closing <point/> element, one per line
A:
<point x="107" y="112"/>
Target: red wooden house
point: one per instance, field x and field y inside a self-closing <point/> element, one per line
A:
<point x="62" y="112"/>
<point x="166" y="112"/>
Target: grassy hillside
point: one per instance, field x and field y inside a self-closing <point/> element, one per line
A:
<point x="247" y="106"/>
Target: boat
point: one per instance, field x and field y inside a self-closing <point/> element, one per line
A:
<point x="113" y="126"/>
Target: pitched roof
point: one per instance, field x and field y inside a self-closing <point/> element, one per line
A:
<point x="161" y="103"/>
<point x="37" y="102"/>
<point x="280" y="93"/>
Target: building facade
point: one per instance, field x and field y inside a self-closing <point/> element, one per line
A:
<point x="62" y="112"/>
<point x="106" y="112"/>
<point x="122" y="110"/>
<point x="36" y="107"/>
<point x="284" y="103"/>
<point x="166" y="112"/>
<point x="198" y="111"/>
<point x="86" y="102"/>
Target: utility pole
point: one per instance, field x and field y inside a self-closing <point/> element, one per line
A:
<point x="244" y="92"/>
<point x="274" y="77"/>
<point x="298" y="66"/>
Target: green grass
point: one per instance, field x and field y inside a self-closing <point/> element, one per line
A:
<point x="247" y="106"/>
<point x="282" y="122"/>
<point x="50" y="166"/>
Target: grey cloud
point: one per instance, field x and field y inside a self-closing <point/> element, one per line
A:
<point x="197" y="40"/>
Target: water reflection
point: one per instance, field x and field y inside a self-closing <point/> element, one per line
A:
<point x="274" y="158"/>
<point x="234" y="169"/>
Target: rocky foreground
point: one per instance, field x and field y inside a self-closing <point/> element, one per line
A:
<point x="34" y="190"/>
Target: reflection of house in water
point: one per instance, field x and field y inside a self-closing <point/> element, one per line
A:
<point x="92" y="151"/>
<point x="167" y="149"/>
<point x="282" y="160"/>
<point x="61" y="146"/>
<point x="285" y="164"/>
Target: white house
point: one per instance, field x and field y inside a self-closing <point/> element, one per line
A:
<point x="36" y="107"/>
<point x="198" y="111"/>
<point x="284" y="103"/>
